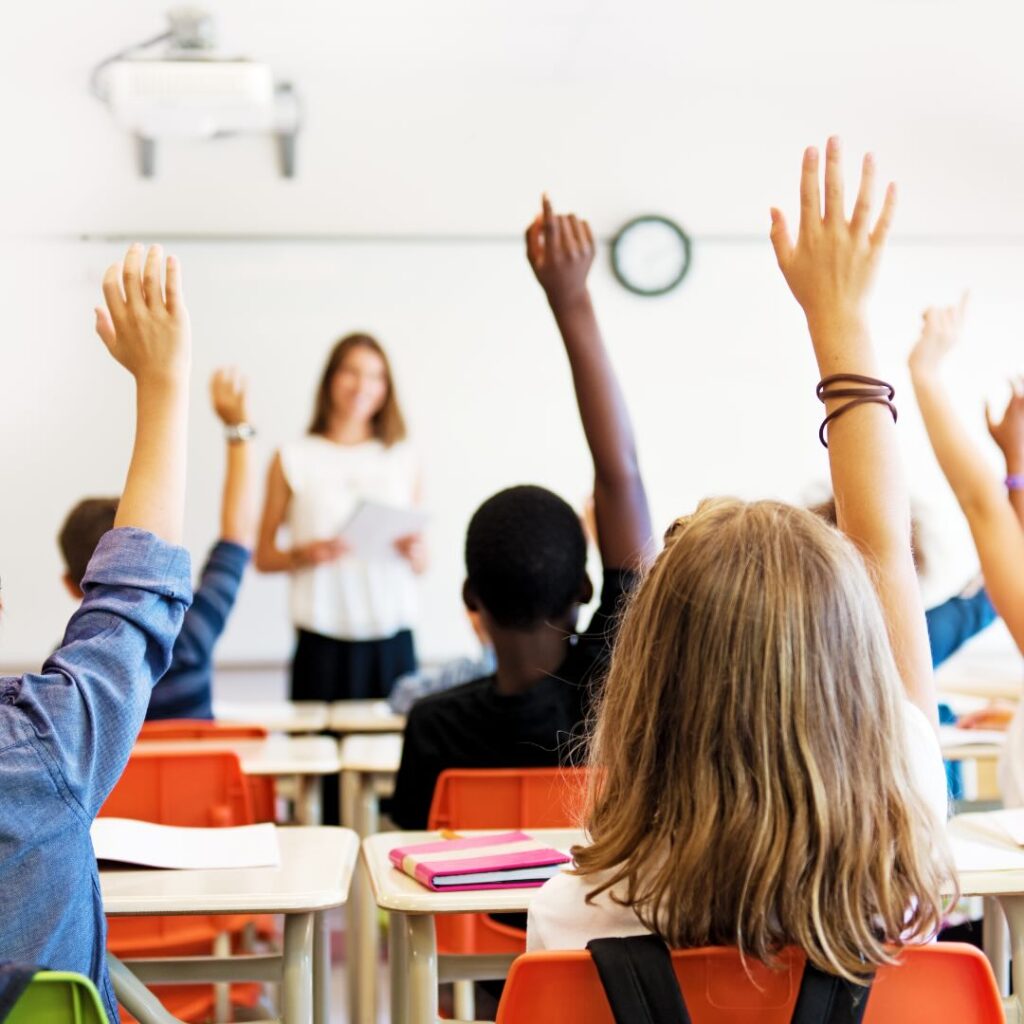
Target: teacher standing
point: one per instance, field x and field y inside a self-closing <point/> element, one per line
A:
<point x="353" y="615"/>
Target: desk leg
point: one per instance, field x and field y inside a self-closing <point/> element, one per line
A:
<point x="321" y="969"/>
<point x="398" y="967"/>
<point x="308" y="805"/>
<point x="1013" y="907"/>
<point x="297" y="980"/>
<point x="421" y="968"/>
<point x="359" y="812"/>
<point x="993" y="940"/>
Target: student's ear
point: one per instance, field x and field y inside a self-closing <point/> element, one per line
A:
<point x="469" y="599"/>
<point x="72" y="587"/>
<point x="586" y="591"/>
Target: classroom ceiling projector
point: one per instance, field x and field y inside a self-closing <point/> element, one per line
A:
<point x="176" y="86"/>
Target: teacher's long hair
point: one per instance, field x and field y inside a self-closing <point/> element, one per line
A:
<point x="388" y="422"/>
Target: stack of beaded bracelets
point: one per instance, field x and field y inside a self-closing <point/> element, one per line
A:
<point x="870" y="391"/>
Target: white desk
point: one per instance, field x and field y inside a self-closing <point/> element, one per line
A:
<point x="368" y="767"/>
<point x="277" y="716"/>
<point x="416" y="968"/>
<point x="305" y="759"/>
<point x="350" y="716"/>
<point x="314" y="876"/>
<point x="970" y="744"/>
<point x="994" y="676"/>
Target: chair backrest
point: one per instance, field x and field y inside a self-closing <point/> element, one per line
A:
<point x="200" y="729"/>
<point x="943" y="983"/>
<point x="58" y="997"/>
<point x="507" y="798"/>
<point x="190" y="789"/>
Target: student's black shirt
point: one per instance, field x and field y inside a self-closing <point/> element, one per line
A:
<point x="473" y="726"/>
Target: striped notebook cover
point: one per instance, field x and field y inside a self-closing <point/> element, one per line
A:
<point x="508" y="860"/>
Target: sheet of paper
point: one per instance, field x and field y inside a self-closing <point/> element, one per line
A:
<point x="373" y="528"/>
<point x="950" y="736"/>
<point x="1011" y="822"/>
<point x="166" y="846"/>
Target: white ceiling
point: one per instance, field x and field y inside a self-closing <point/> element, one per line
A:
<point x="449" y="117"/>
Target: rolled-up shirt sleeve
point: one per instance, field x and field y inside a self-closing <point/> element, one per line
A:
<point x="85" y="707"/>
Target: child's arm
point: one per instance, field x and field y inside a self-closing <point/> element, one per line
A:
<point x="149" y="334"/>
<point x="561" y="250"/>
<point x="830" y="270"/>
<point x="1008" y="433"/>
<point x="82" y="712"/>
<point x="238" y="501"/>
<point x="997" y="532"/>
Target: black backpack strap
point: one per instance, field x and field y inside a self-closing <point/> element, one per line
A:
<point x="827" y="999"/>
<point x="637" y="977"/>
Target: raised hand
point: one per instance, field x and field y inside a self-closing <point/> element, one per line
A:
<point x="145" y="328"/>
<point x="832" y="265"/>
<point x="941" y="327"/>
<point x="1008" y="432"/>
<point x="228" y="394"/>
<point x="560" y="248"/>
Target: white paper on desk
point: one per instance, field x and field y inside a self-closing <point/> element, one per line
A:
<point x="1011" y="822"/>
<point x="373" y="528"/>
<point x="167" y="846"/>
<point x="950" y="737"/>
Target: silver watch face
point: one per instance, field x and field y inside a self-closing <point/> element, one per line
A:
<point x="241" y="432"/>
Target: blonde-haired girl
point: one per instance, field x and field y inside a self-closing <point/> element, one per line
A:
<point x="765" y="764"/>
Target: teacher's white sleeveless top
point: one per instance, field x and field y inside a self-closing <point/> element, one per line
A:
<point x="350" y="599"/>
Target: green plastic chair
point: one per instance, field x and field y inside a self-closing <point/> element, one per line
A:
<point x="58" y="997"/>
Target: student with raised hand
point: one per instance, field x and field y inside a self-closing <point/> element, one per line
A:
<point x="66" y="731"/>
<point x="995" y="522"/>
<point x="526" y="569"/>
<point x="765" y="769"/>
<point x="186" y="689"/>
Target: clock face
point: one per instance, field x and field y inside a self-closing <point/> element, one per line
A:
<point x="651" y="255"/>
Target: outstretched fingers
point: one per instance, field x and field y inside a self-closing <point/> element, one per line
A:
<point x="781" y="241"/>
<point x="175" y="301"/>
<point x="834" y="198"/>
<point x="861" y="219"/>
<point x="810" y="193"/>
<point x="884" y="222"/>
<point x="151" y="285"/>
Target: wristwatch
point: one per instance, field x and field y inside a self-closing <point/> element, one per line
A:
<point x="239" y="432"/>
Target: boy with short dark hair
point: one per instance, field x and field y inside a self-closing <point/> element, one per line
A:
<point x="526" y="570"/>
<point x="66" y="731"/>
<point x="186" y="690"/>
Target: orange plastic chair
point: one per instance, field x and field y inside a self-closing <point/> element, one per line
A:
<point x="261" y="787"/>
<point x="944" y="983"/>
<point x="191" y="790"/>
<point x="200" y="729"/>
<point x="466" y="798"/>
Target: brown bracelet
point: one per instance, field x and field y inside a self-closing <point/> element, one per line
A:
<point x="863" y="400"/>
<point x="852" y="378"/>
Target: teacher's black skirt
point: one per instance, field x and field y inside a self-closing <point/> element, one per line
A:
<point x="327" y="669"/>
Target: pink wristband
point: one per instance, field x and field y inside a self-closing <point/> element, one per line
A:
<point x="1015" y="482"/>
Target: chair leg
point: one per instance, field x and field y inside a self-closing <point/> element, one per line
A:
<point x="465" y="1001"/>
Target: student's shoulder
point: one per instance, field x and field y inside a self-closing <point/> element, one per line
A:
<point x="447" y="702"/>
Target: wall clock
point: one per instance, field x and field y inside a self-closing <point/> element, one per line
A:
<point x="651" y="255"/>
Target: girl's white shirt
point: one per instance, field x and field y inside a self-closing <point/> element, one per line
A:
<point x="352" y="598"/>
<point x="560" y="917"/>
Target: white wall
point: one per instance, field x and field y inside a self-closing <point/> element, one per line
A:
<point x="438" y="125"/>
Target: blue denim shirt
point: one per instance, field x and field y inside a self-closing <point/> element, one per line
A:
<point x="65" y="736"/>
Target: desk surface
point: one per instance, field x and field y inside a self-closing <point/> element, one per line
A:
<point x="988" y="863"/>
<point x="996" y="676"/>
<point x="395" y="890"/>
<point x="314" y="874"/>
<point x="364" y="716"/>
<point x="275" y="755"/>
<point x="278" y="716"/>
<point x="970" y="744"/>
<point x="375" y="754"/>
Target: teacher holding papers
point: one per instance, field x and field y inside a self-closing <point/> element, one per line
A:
<point x="347" y="493"/>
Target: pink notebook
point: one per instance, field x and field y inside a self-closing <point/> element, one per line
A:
<point x="508" y="860"/>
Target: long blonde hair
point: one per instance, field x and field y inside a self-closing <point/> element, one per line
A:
<point x="749" y="784"/>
